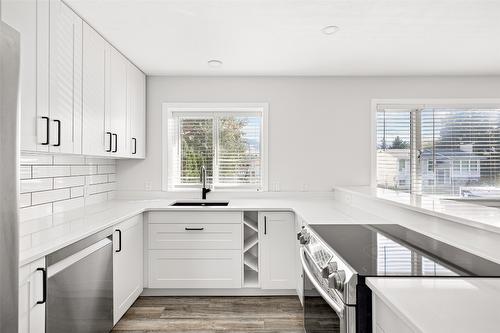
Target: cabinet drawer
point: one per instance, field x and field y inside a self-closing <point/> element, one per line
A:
<point x="194" y="217"/>
<point x="195" y="236"/>
<point x="194" y="269"/>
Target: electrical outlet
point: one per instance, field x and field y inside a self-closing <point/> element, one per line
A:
<point x="275" y="186"/>
<point x="304" y="187"/>
<point x="148" y="185"/>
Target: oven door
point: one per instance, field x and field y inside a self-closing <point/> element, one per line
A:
<point x="324" y="311"/>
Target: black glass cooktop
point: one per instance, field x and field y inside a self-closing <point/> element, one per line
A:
<point x="393" y="250"/>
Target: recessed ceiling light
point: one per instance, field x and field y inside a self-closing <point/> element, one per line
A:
<point x="330" y="30"/>
<point x="214" y="63"/>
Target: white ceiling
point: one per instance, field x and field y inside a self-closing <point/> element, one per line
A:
<point x="283" y="37"/>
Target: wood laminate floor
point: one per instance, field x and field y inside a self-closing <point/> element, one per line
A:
<point x="267" y="314"/>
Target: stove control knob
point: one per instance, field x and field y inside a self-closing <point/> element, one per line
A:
<point x="336" y="280"/>
<point x="330" y="268"/>
<point x="304" y="239"/>
<point x="301" y="232"/>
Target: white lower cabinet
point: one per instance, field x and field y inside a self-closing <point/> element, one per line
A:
<point x="127" y="265"/>
<point x="277" y="250"/>
<point x="385" y="320"/>
<point x="31" y="298"/>
<point x="194" y="250"/>
<point x="195" y="269"/>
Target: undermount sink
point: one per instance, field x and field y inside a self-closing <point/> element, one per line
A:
<point x="200" y="203"/>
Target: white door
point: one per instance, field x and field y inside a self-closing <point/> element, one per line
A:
<point x="116" y="101"/>
<point x="24" y="16"/>
<point x="65" y="69"/>
<point x="136" y="104"/>
<point x="95" y="140"/>
<point x="127" y="265"/>
<point x="31" y="301"/>
<point x="277" y="250"/>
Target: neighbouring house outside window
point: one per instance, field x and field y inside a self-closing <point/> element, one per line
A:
<point x="449" y="150"/>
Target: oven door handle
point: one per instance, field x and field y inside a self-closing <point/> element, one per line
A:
<point x="319" y="289"/>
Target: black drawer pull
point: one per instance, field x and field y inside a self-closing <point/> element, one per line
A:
<point x="116" y="143"/>
<point x="119" y="241"/>
<point x="44" y="276"/>
<point x="194" y="229"/>
<point x="135" y="146"/>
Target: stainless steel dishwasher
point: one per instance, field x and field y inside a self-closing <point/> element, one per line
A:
<point x="80" y="286"/>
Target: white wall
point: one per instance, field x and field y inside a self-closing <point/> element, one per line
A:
<point x="319" y="128"/>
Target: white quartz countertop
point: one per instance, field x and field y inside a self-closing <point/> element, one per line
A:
<point x="482" y="217"/>
<point x="74" y="225"/>
<point x="442" y="304"/>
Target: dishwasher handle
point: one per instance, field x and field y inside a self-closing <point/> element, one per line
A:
<point x="66" y="262"/>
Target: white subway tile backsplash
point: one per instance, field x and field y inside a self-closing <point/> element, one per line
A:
<point x="68" y="160"/>
<point x="25" y="200"/>
<point x="34" y="185"/>
<point x="99" y="188"/>
<point x="64" y="182"/>
<point x="65" y="205"/>
<point x="77" y="192"/>
<point x="29" y="159"/>
<point x="82" y="170"/>
<point x="49" y="196"/>
<point x="59" y="184"/>
<point x="106" y="169"/>
<point x="34" y="212"/>
<point x="100" y="161"/>
<point x="97" y="179"/>
<point x="45" y="171"/>
<point x="25" y="171"/>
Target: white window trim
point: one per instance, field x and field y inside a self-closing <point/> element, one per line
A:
<point x="169" y="108"/>
<point x="420" y="102"/>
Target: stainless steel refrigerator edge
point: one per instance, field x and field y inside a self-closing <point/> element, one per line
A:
<point x="9" y="175"/>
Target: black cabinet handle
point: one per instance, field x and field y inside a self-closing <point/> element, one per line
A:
<point x="47" y="130"/>
<point x="110" y="141"/>
<point x="44" y="276"/>
<point x="135" y="146"/>
<point x="119" y="240"/>
<point x="58" y="122"/>
<point x="194" y="229"/>
<point x="265" y="225"/>
<point x="116" y="143"/>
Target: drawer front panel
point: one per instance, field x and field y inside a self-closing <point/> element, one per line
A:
<point x="195" y="236"/>
<point x="194" y="269"/>
<point x="195" y="217"/>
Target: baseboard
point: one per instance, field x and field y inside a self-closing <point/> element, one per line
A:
<point x="218" y="292"/>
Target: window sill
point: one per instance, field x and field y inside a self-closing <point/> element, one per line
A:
<point x="475" y="215"/>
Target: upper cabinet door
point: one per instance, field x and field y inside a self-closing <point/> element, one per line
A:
<point x="65" y="77"/>
<point x="136" y="104"/>
<point x="25" y="17"/>
<point x="95" y="139"/>
<point x="116" y="102"/>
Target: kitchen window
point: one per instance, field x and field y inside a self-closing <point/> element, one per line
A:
<point x="450" y="150"/>
<point x="230" y="140"/>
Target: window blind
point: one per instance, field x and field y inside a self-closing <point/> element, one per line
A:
<point x="445" y="151"/>
<point x="228" y="144"/>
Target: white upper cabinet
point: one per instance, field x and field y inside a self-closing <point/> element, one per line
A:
<point x="116" y="102"/>
<point x="95" y="140"/>
<point x="79" y="95"/>
<point x="31" y="20"/>
<point x="277" y="250"/>
<point x="136" y="105"/>
<point x="65" y="76"/>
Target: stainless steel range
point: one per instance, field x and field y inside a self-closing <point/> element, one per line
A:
<point x="336" y="260"/>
